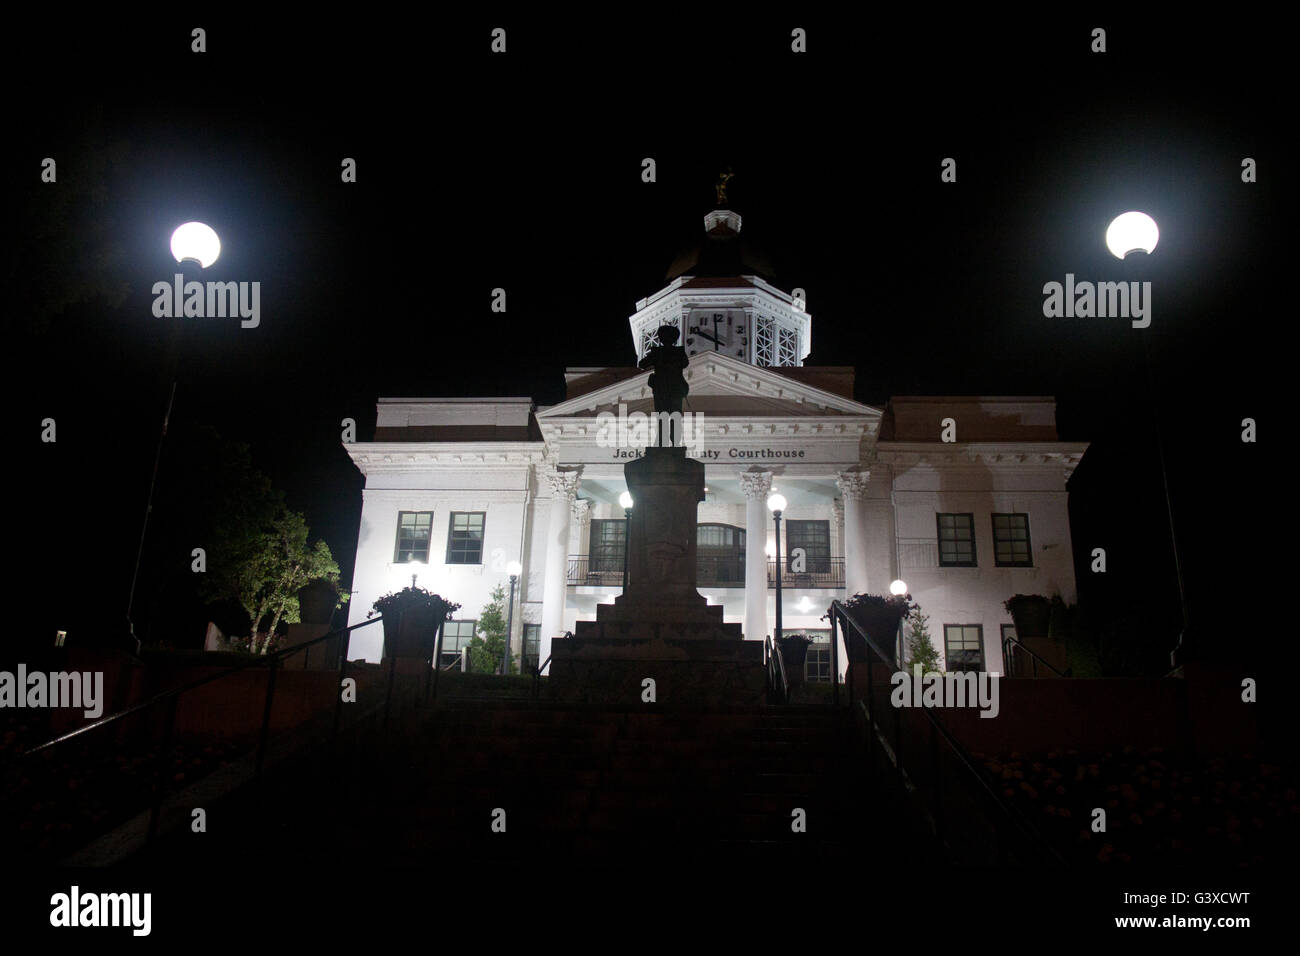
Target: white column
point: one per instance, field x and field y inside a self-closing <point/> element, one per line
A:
<point x="837" y="528"/>
<point x="564" y="487"/>
<point x="853" y="486"/>
<point x="756" y="485"/>
<point x="581" y="534"/>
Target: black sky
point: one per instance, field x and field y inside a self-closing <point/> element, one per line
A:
<point x="522" y="171"/>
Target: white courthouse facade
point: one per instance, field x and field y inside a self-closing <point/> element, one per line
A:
<point x="456" y="489"/>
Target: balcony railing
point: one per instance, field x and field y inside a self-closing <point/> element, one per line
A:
<point x="916" y="553"/>
<point x="820" y="573"/>
<point x="713" y="571"/>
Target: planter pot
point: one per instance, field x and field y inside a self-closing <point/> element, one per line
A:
<point x="1032" y="618"/>
<point x="414" y="637"/>
<point x="793" y="655"/>
<point x="881" y="626"/>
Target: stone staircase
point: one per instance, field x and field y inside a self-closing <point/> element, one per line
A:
<point x="576" y="783"/>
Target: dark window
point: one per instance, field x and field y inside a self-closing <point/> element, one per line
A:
<point x="455" y="635"/>
<point x="963" y="647"/>
<point x="719" y="554"/>
<point x="413" y="531"/>
<point x="956" y="540"/>
<point x="607" y="544"/>
<point x="465" y="538"/>
<point x="815" y="539"/>
<point x="532" y="641"/>
<point x="1011" y="541"/>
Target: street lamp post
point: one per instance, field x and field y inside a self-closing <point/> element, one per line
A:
<point x="625" y="499"/>
<point x="776" y="504"/>
<point x="513" y="569"/>
<point x="1137" y="232"/>
<point x="196" y="243"/>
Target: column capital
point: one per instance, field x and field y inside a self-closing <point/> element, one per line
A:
<point x="837" y="510"/>
<point x="853" y="484"/>
<point x="756" y="484"/>
<point x="564" y="481"/>
<point x="581" y="508"/>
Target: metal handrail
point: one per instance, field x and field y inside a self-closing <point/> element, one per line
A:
<point x="273" y="662"/>
<point x="269" y="659"/>
<point x="537" y="671"/>
<point x="1008" y="641"/>
<point x="778" y="668"/>
<point x="841" y="619"/>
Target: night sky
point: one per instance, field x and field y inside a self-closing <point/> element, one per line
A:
<point x="523" y="171"/>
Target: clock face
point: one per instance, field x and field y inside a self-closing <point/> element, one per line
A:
<point x="717" y="330"/>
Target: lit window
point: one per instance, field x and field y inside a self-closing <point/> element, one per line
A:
<point x="413" y="531"/>
<point x="465" y="537"/>
<point x="963" y="647"/>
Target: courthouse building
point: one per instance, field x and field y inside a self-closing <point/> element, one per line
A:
<point x="456" y="489"/>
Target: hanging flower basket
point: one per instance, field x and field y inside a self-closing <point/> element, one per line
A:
<point x="879" y="616"/>
<point x="411" y="618"/>
<point x="1031" y="614"/>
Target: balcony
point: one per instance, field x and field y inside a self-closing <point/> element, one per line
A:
<point x="712" y="571"/>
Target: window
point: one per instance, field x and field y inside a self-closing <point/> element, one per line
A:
<point x="764" y="342"/>
<point x="532" y="641"/>
<point x="719" y="555"/>
<point x="956" y="540"/>
<point x="817" y="665"/>
<point x="1011" y="541"/>
<point x="414" y="529"/>
<point x="815" y="539"/>
<point x="963" y="647"/>
<point x="607" y="544"/>
<point x="455" y="635"/>
<point x="787" y="347"/>
<point x="465" y="538"/>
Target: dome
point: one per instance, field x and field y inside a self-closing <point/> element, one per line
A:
<point x="721" y="251"/>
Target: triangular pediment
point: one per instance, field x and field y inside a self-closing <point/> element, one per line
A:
<point x="722" y="387"/>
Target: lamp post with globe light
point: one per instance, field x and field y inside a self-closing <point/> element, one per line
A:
<point x="898" y="588"/>
<point x="776" y="504"/>
<point x="625" y="499"/>
<point x="514" y="568"/>
<point x="194" y="243"/>
<point x="1128" y="233"/>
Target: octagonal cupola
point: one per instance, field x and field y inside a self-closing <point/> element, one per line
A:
<point x="720" y="299"/>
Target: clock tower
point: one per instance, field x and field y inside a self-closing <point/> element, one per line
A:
<point x="720" y="299"/>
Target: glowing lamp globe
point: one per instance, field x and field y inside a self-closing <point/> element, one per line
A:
<point x="897" y="587"/>
<point x="196" y="242"/>
<point x="514" y="569"/>
<point x="625" y="499"/>
<point x="776" y="503"/>
<point x="805" y="605"/>
<point x="1131" y="232"/>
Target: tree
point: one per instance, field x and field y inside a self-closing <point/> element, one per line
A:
<point x="488" y="647"/>
<point x="289" y="564"/>
<point x="920" y="649"/>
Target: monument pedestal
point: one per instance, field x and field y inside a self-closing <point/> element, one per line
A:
<point x="661" y="627"/>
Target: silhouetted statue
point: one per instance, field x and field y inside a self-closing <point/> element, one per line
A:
<point x="667" y="359"/>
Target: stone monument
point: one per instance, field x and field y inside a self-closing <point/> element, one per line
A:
<point x="660" y="627"/>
